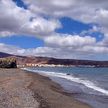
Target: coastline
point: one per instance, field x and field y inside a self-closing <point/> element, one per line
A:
<point x="43" y="92"/>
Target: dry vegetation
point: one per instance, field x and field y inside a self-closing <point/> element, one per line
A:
<point x="8" y="63"/>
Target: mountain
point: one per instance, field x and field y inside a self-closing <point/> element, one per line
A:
<point x="23" y="60"/>
<point x="2" y="55"/>
<point x="66" y="62"/>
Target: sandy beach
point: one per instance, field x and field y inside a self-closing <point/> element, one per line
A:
<point x="21" y="89"/>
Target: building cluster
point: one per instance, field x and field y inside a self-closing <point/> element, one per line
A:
<point x="41" y="65"/>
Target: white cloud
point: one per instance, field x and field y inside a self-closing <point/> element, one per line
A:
<point x="16" y="20"/>
<point x="40" y="27"/>
<point x="87" y="11"/>
<point x="76" y="44"/>
<point x="85" y="52"/>
<point x="61" y="40"/>
<point x="12" y="17"/>
<point x="9" y="49"/>
<point x="32" y="21"/>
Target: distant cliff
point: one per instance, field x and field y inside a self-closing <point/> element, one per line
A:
<point x="66" y="62"/>
<point x="23" y="60"/>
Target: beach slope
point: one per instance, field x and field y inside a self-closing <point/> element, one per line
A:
<point x="22" y="89"/>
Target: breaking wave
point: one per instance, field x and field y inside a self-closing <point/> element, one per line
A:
<point x="72" y="78"/>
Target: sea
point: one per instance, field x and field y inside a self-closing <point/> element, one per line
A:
<point x="87" y="84"/>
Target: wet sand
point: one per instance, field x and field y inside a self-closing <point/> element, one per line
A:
<point x="21" y="89"/>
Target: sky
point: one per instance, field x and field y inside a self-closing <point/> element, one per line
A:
<point x="71" y="29"/>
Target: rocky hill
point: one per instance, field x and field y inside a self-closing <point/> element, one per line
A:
<point x="66" y="62"/>
<point x="22" y="60"/>
<point x="2" y="55"/>
<point x="8" y="63"/>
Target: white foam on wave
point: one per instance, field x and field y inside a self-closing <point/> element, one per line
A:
<point x="86" y="83"/>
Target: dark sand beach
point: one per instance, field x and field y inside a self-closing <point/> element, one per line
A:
<point x="20" y="89"/>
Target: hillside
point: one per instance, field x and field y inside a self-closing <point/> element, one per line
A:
<point x="22" y="60"/>
<point x="66" y="62"/>
<point x="2" y="55"/>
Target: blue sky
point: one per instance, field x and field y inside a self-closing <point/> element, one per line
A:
<point x="67" y="28"/>
<point x="20" y="3"/>
<point x="71" y="26"/>
<point x="22" y="41"/>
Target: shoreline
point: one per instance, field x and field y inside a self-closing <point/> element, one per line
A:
<point x="67" y="100"/>
<point x="22" y="89"/>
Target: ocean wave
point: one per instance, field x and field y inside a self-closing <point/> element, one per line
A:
<point x="72" y="78"/>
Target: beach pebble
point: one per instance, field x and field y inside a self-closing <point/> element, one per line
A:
<point x="14" y="92"/>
